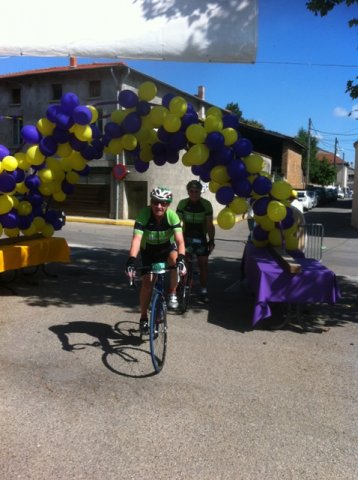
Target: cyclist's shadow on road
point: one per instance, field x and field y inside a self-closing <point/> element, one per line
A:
<point x="125" y="352"/>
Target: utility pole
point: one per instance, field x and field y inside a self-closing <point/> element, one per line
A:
<point x="334" y="159"/>
<point x="308" y="152"/>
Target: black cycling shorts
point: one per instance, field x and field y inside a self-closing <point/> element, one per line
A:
<point x="197" y="246"/>
<point x="159" y="253"/>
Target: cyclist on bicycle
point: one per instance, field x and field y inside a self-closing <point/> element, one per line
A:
<point x="196" y="214"/>
<point x="158" y="236"/>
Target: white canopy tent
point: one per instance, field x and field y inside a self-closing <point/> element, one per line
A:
<point x="173" y="30"/>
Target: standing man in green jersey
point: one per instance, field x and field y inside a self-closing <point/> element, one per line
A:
<point x="158" y="236"/>
<point x="196" y="214"/>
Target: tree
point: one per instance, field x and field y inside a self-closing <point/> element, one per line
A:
<point x="323" y="7"/>
<point x="321" y="172"/>
<point x="234" y="108"/>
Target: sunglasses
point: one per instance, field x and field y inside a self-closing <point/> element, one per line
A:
<point x="159" y="202"/>
<point x="194" y="191"/>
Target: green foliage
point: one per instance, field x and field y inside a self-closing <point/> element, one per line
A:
<point x="234" y="108"/>
<point x="323" y="7"/>
<point x="320" y="172"/>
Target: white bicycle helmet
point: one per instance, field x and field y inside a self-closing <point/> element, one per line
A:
<point x="161" y="194"/>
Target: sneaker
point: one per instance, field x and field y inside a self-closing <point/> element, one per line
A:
<point x="173" y="301"/>
<point x="143" y="325"/>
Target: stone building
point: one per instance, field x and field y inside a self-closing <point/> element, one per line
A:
<point x="25" y="97"/>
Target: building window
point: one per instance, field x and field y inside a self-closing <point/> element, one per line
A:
<point x="17" y="125"/>
<point x="94" y="88"/>
<point x="16" y="96"/>
<point x="99" y="122"/>
<point x="56" y="91"/>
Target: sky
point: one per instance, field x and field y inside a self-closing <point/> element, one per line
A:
<point x="302" y="66"/>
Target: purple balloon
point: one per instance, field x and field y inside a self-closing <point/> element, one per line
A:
<point x="69" y="102"/>
<point x="48" y="146"/>
<point x="261" y="185"/>
<point x="259" y="233"/>
<point x="30" y="134"/>
<point x="167" y="98"/>
<point x="128" y="99"/>
<point x="60" y="135"/>
<point x="7" y="182"/>
<point x="113" y="130"/>
<point x="243" y="147"/>
<point x="143" y="108"/>
<point x="4" y="151"/>
<point x="32" y="182"/>
<point x="52" y="112"/>
<point x="237" y="169"/>
<point x="9" y="220"/>
<point x="141" y="166"/>
<point x="242" y="187"/>
<point x="132" y="123"/>
<point x="231" y="120"/>
<point x="215" y="140"/>
<point x="225" y="195"/>
<point x="260" y="206"/>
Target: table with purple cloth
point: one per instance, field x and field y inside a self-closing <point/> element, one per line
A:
<point x="271" y="283"/>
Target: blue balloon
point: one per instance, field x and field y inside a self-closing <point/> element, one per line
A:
<point x="48" y="146"/>
<point x="141" y="166"/>
<point x="262" y="185"/>
<point x="113" y="130"/>
<point x="7" y="182"/>
<point x="132" y="123"/>
<point x="225" y="195"/>
<point x="67" y="188"/>
<point x="167" y="98"/>
<point x="30" y="134"/>
<point x="242" y="187"/>
<point x="177" y="140"/>
<point x="143" y="108"/>
<point x="60" y="135"/>
<point x="215" y="140"/>
<point x="259" y="233"/>
<point x="4" y="151"/>
<point x="236" y="169"/>
<point x="128" y="99"/>
<point x="32" y="182"/>
<point x="223" y="156"/>
<point x="69" y="101"/>
<point x="82" y="115"/>
<point x="172" y="156"/>
<point x="64" y="121"/>
<point x="260" y="206"/>
<point x="243" y="147"/>
<point x="230" y="120"/>
<point x="52" y="112"/>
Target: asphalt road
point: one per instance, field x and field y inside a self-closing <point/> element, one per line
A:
<point x="79" y="401"/>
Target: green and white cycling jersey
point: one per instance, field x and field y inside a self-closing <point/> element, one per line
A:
<point x="194" y="216"/>
<point x="154" y="234"/>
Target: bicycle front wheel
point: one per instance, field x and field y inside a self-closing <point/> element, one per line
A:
<point x="183" y="293"/>
<point x="158" y="330"/>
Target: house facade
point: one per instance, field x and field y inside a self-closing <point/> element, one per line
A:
<point x="25" y="97"/>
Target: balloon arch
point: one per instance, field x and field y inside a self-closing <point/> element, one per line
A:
<point x="58" y="150"/>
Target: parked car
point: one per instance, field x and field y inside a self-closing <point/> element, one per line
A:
<point x="314" y="196"/>
<point x="305" y="199"/>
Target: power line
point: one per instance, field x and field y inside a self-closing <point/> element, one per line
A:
<point x="308" y="64"/>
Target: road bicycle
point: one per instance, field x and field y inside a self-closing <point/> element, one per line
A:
<point x="158" y="326"/>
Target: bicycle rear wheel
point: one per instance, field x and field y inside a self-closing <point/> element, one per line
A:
<point x="183" y="293"/>
<point x="158" y="330"/>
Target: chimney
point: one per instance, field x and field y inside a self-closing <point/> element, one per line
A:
<point x="73" y="62"/>
<point x="201" y="92"/>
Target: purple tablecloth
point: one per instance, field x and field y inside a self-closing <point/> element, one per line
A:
<point x="270" y="283"/>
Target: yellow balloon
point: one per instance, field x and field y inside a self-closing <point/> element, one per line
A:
<point x="76" y="161"/>
<point x="214" y="186"/>
<point x="47" y="230"/>
<point x="82" y="132"/>
<point x="45" y="127"/>
<point x="276" y="211"/>
<point x="143" y="134"/>
<point x="219" y="174"/>
<point x="30" y="231"/>
<point x="195" y="133"/>
<point x="281" y="190"/>
<point x="254" y="163"/>
<point x="157" y="115"/>
<point x="59" y="196"/>
<point x="275" y="238"/>
<point x="94" y="112"/>
<point x="117" y="116"/>
<point x="186" y="160"/>
<point x="6" y="203"/>
<point x="72" y="177"/>
<point x="129" y="141"/>
<point x="267" y="224"/>
<point x="146" y="153"/>
<point x="46" y="175"/>
<point x="24" y="208"/>
<point x="291" y="242"/>
<point x="239" y="205"/>
<point x="171" y="123"/>
<point x="21" y="188"/>
<point x="178" y="106"/>
<point x="147" y="91"/>
<point x="34" y="155"/>
<point x="230" y="136"/>
<point x="214" y="111"/>
<point x="64" y="150"/>
<point x="22" y="161"/>
<point x="53" y="164"/>
<point x="198" y="154"/>
<point x="9" y="163"/>
<point x="12" y="232"/>
<point x="115" y="146"/>
<point x="47" y="189"/>
<point x="213" y="123"/>
<point x="226" y="219"/>
<point x="1" y="230"/>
